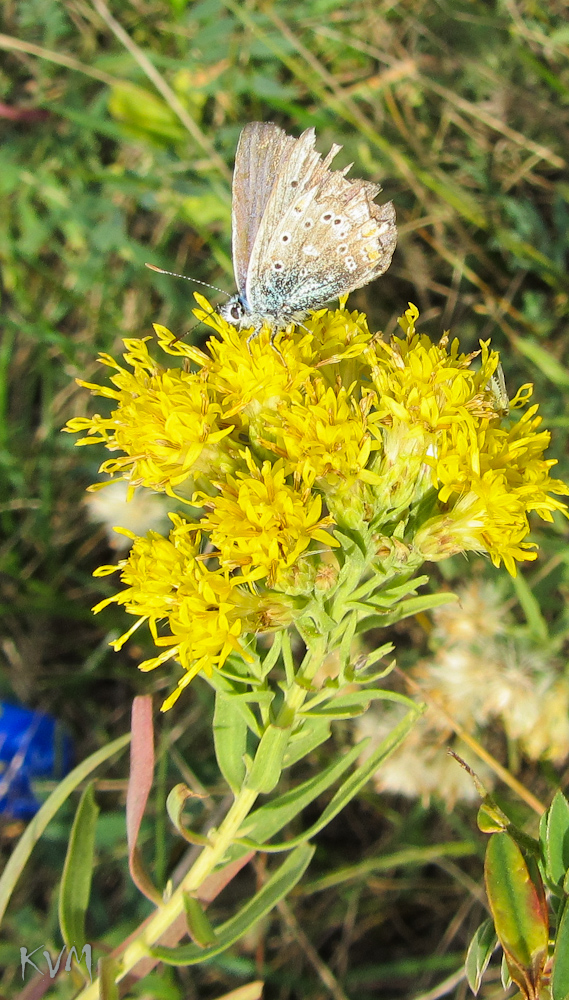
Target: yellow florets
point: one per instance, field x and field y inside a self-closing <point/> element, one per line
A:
<point x="260" y="524"/>
<point x="167" y="423"/>
<point x="403" y="445"/>
<point x="206" y="610"/>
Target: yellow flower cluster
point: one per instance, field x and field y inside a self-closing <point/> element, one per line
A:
<point x="279" y="442"/>
<point x="167" y="423"/>
<point x="261" y="525"/>
<point x="207" y="611"/>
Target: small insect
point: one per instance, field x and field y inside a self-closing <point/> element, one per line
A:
<point x="302" y="234"/>
<point x="497" y="387"/>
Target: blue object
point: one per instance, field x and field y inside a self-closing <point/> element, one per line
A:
<point x="32" y="745"/>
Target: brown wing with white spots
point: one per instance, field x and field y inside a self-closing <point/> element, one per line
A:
<point x="329" y="240"/>
<point x="260" y="158"/>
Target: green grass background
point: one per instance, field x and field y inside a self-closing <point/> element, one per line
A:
<point x="119" y="126"/>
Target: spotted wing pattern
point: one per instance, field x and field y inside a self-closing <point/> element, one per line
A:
<point x="329" y="238"/>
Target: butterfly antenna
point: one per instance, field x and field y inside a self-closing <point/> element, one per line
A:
<point x="210" y="312"/>
<point x="173" y="274"/>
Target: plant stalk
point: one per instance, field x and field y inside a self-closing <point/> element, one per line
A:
<point x="167" y="913"/>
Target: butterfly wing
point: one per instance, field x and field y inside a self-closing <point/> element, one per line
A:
<point x="325" y="241"/>
<point x="262" y="151"/>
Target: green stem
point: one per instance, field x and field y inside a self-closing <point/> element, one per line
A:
<point x="221" y="840"/>
<point x="166" y="914"/>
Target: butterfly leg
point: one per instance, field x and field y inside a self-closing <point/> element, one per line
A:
<point x="256" y="333"/>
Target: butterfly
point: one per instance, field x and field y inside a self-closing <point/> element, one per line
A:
<point x="302" y="234"/>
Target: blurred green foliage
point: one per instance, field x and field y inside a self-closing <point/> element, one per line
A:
<point x="119" y="151"/>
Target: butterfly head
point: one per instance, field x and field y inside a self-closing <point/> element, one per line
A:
<point x="235" y="312"/>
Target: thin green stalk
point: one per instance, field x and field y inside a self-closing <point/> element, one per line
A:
<point x="166" y="914"/>
<point x="151" y="932"/>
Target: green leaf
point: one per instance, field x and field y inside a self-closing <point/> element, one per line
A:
<point x="75" y="887"/>
<point x="556" y="842"/>
<point x="37" y="825"/>
<point x="406" y="856"/>
<point x="412" y="606"/>
<point x="279" y="885"/>
<point x="531" y="609"/>
<point x="490" y="817"/>
<point x="240" y="699"/>
<point x="199" y="926"/>
<point x="348" y="790"/>
<point x="388" y="596"/>
<point x="560" y="972"/>
<point x="517" y="904"/>
<point x="348" y="705"/>
<point x="268" y="763"/>
<point x="271" y="817"/>
<point x="230" y="740"/>
<point x="312" y="733"/>
<point x="479" y="954"/>
<point x="505" y="976"/>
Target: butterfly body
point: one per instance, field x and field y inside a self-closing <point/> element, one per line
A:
<point x="302" y="234"/>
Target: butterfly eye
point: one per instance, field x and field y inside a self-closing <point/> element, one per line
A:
<point x="236" y="311"/>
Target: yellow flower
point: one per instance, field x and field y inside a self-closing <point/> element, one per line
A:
<point x="168" y="424"/>
<point x="248" y="376"/>
<point x="404" y="442"/>
<point x="166" y="581"/>
<point x="324" y="437"/>
<point x="488" y="518"/>
<point x="261" y="524"/>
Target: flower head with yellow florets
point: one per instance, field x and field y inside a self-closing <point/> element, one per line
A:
<point x="291" y="452"/>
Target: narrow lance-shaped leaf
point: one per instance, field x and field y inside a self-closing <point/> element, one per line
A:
<point x="278" y="886"/>
<point x="311" y="735"/>
<point x="199" y="926"/>
<point x="139" y="785"/>
<point x="268" y="764"/>
<point x="345" y="793"/>
<point x="230" y="740"/>
<point x="75" y="885"/>
<point x="271" y="817"/>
